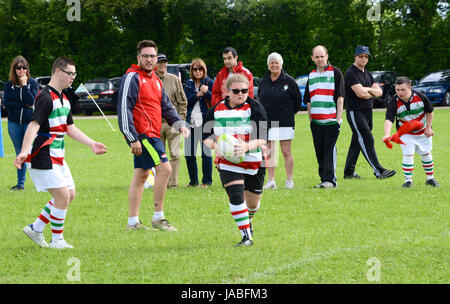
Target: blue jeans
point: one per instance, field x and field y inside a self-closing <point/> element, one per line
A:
<point x="16" y="133"/>
<point x="190" y="148"/>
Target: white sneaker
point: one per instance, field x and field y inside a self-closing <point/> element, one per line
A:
<point x="289" y="184"/>
<point x="270" y="184"/>
<point x="60" y="244"/>
<point x="37" y="237"/>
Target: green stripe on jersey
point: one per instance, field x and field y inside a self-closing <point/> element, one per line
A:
<point x="321" y="79"/>
<point x="57" y="144"/>
<point x="323" y="104"/>
<point x="59" y="112"/>
<point x="410" y="112"/>
<point x="232" y="121"/>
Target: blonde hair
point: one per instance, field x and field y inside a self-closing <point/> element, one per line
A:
<point x="236" y="78"/>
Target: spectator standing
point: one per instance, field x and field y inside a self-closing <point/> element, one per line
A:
<point x="280" y="95"/>
<point x="231" y="66"/>
<point x="324" y="97"/>
<point x="198" y="92"/>
<point x="174" y="90"/>
<point x="19" y="95"/>
<point x="360" y="89"/>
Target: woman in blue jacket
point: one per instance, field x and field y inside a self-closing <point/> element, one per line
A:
<point x="198" y="93"/>
<point x="20" y="92"/>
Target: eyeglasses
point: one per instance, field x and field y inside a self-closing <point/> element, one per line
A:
<point x="197" y="69"/>
<point x="363" y="56"/>
<point x="21" y="67"/>
<point x="236" y="91"/>
<point x="146" y="56"/>
<point x="71" y="74"/>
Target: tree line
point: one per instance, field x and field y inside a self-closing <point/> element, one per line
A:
<point x="410" y="37"/>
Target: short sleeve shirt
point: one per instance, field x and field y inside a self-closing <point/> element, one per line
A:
<point x="354" y="76"/>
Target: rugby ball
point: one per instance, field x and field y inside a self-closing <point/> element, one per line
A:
<point x="226" y="145"/>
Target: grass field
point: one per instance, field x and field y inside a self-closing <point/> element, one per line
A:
<point x="303" y="235"/>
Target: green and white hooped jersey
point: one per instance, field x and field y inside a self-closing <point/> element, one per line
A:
<point x="237" y="122"/>
<point x="321" y="91"/>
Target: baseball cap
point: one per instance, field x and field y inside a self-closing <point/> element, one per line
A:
<point x="162" y="57"/>
<point x="360" y="49"/>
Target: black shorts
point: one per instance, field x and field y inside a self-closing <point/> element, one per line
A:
<point x="153" y="153"/>
<point x="252" y="183"/>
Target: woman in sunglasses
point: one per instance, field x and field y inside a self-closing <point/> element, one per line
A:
<point x="198" y="93"/>
<point x="244" y="118"/>
<point x="20" y="93"/>
<point x="281" y="98"/>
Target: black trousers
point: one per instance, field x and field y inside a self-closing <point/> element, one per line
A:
<point x="361" y="123"/>
<point x="325" y="137"/>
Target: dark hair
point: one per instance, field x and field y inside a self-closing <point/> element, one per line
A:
<point x="146" y="43"/>
<point x="61" y="63"/>
<point x="12" y="72"/>
<point x="201" y="63"/>
<point x="403" y="80"/>
<point x="230" y="49"/>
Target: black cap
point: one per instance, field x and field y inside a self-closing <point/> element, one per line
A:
<point x="162" y="57"/>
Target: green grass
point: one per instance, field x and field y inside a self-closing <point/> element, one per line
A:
<point x="304" y="235"/>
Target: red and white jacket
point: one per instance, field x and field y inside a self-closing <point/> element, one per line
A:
<point x="219" y="90"/>
<point x="142" y="103"/>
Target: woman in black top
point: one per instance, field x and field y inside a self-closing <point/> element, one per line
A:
<point x="281" y="98"/>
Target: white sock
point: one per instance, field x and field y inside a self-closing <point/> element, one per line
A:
<point x="133" y="220"/>
<point x="158" y="215"/>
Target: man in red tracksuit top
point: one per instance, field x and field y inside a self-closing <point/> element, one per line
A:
<point x="141" y="104"/>
<point x="232" y="66"/>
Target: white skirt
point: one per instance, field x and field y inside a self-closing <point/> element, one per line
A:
<point x="282" y="133"/>
<point x="58" y="177"/>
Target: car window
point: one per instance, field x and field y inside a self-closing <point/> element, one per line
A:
<point x="173" y="70"/>
<point x="301" y="81"/>
<point x="435" y="77"/>
<point x="115" y="82"/>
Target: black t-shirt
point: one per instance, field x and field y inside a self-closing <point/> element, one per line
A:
<point x="354" y="76"/>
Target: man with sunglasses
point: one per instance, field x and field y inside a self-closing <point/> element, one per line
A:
<point x="141" y="105"/>
<point x="360" y="89"/>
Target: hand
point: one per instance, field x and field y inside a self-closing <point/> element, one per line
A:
<point x="385" y="138"/>
<point x="23" y="80"/>
<point x="240" y="148"/>
<point x="204" y="89"/>
<point x="136" y="148"/>
<point x="20" y="158"/>
<point x="185" y="131"/>
<point x="98" y="148"/>
<point x="428" y="132"/>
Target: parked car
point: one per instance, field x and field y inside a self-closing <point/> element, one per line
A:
<point x="181" y="70"/>
<point x="3" y="111"/>
<point x="103" y="90"/>
<point x="69" y="92"/>
<point x="301" y="82"/>
<point x="256" y="82"/>
<point x="386" y="81"/>
<point x="436" y="86"/>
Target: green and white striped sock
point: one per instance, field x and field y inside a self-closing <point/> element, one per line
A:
<point x="57" y="217"/>
<point x="240" y="216"/>
<point x="43" y="218"/>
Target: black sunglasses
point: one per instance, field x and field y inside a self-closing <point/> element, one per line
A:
<point x="23" y="67"/>
<point x="236" y="91"/>
<point x="197" y="69"/>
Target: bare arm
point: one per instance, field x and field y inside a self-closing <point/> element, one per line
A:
<point x="387" y="129"/>
<point x="428" y="131"/>
<point x="339" y="108"/>
<point x="28" y="139"/>
<point x="78" y="135"/>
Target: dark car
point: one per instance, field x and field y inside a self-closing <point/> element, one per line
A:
<point x="103" y="90"/>
<point x="301" y="82"/>
<point x="2" y="89"/>
<point x="386" y="81"/>
<point x="436" y="86"/>
<point x="256" y="82"/>
<point x="181" y="70"/>
<point x="69" y="92"/>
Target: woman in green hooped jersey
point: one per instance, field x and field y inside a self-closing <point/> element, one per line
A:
<point x="244" y="118"/>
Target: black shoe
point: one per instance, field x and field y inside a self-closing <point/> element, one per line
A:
<point x="432" y="182"/>
<point x="352" y="176"/>
<point x="246" y="242"/>
<point x="387" y="174"/>
<point x="407" y="184"/>
<point x="17" y="188"/>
